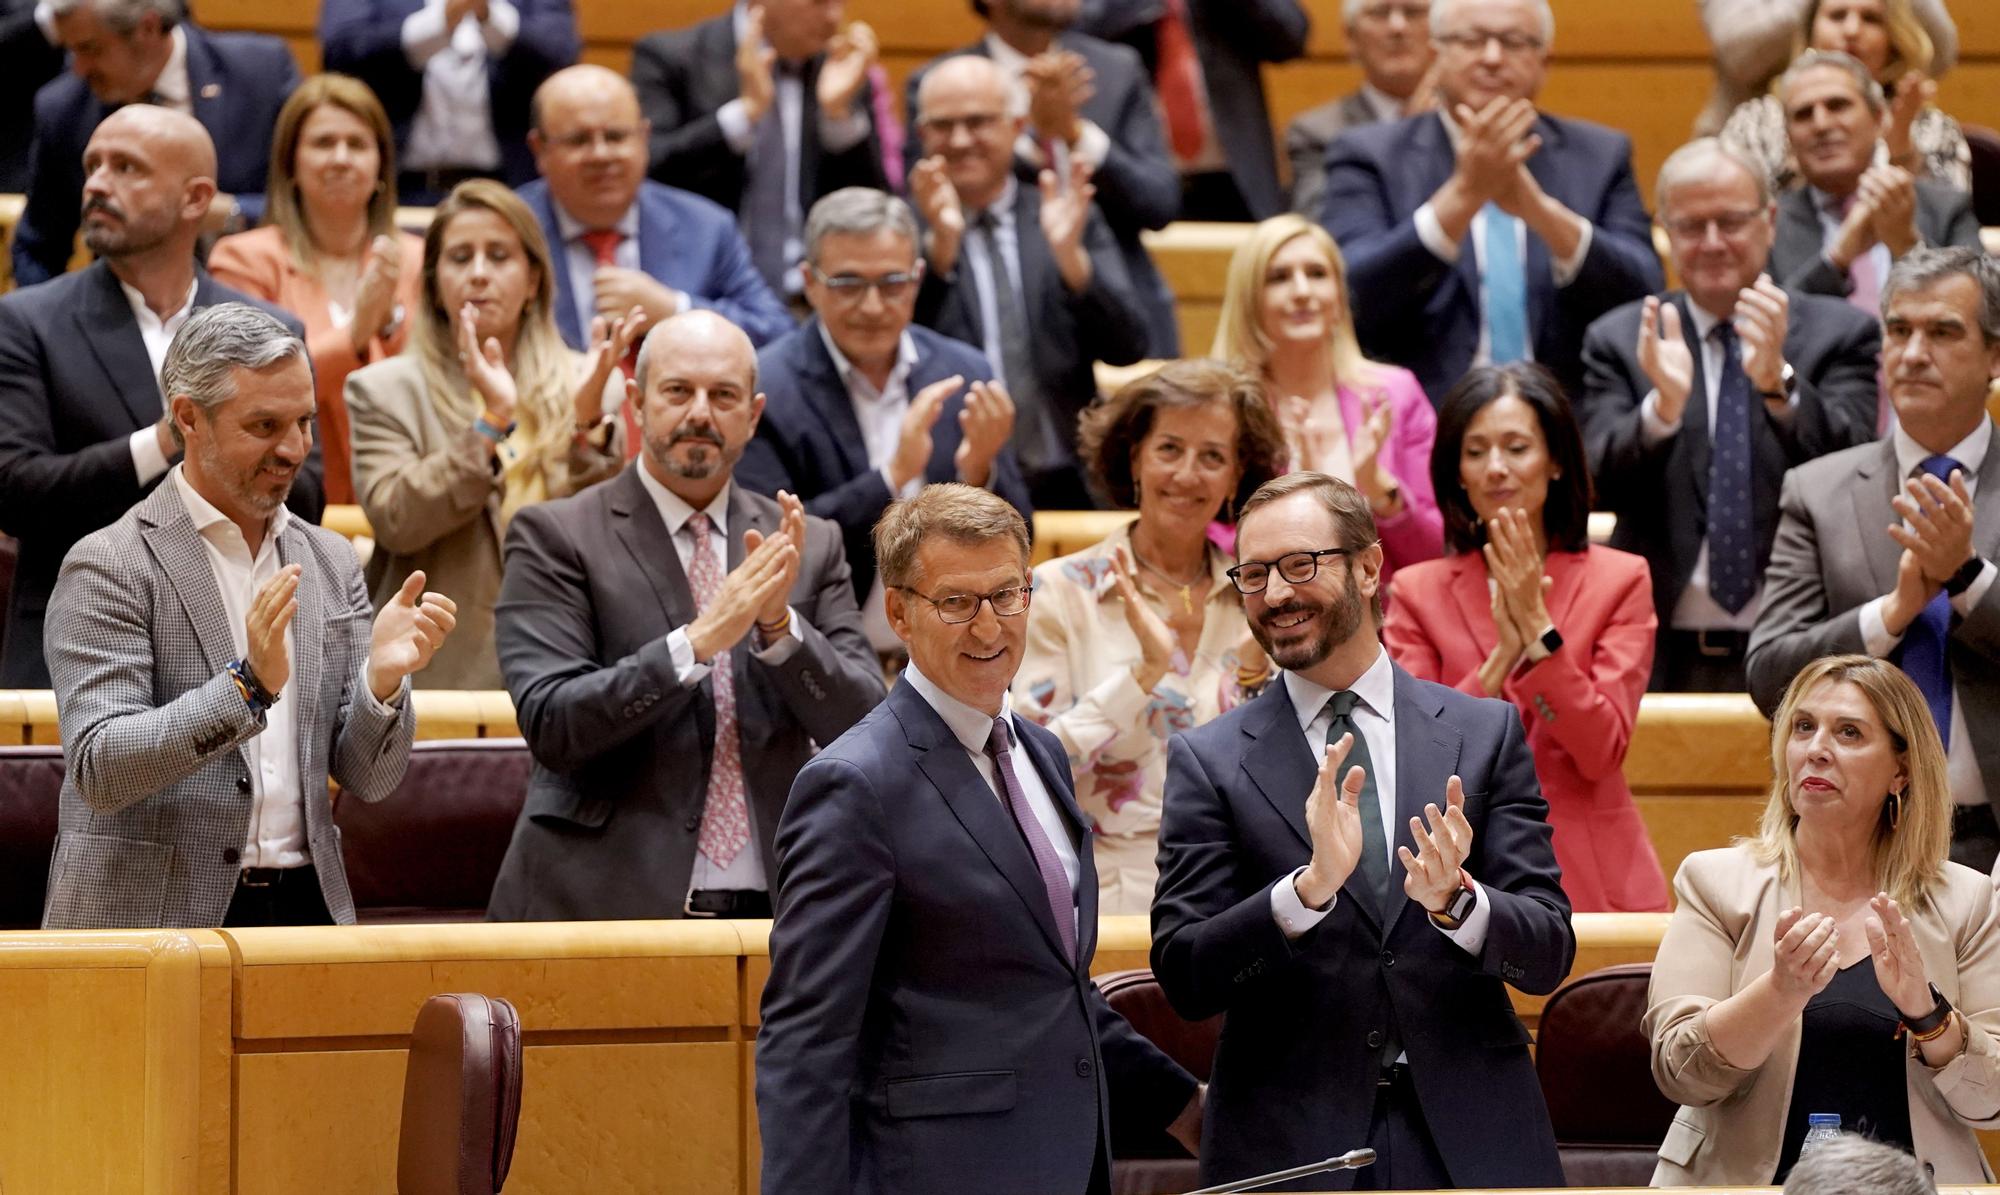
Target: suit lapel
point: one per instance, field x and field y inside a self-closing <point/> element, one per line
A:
<point x="308" y="630"/>
<point x="746" y="512"/>
<point x="174" y="542"/>
<point x="1876" y="482"/>
<point x="1278" y="759"/>
<point x="205" y="93"/>
<point x="1546" y="167"/>
<point x="105" y="323"/>
<point x="1986" y="502"/>
<point x="1475" y="602"/>
<point x="657" y="258"/>
<point x="1426" y="756"/>
<point x="1565" y="572"/>
<point x="826" y="394"/>
<point x="1799" y="237"/>
<point x="638" y="525"/>
<point x="1694" y="418"/>
<point x="1055" y="778"/>
<point x="544" y="205"/>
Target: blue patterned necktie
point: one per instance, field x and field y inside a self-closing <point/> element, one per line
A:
<point x="1506" y="289"/>
<point x="1923" y="653"/>
<point x="1732" y="551"/>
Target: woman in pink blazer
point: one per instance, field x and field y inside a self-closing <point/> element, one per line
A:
<point x="1527" y="610"/>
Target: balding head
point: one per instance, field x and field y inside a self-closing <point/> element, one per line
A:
<point x="589" y="142"/>
<point x="149" y="174"/>
<point x="699" y="406"/>
<point x="964" y="117"/>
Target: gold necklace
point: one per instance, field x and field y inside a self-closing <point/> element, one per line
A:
<point x="1187" y="598"/>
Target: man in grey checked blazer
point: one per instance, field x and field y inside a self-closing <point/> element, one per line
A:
<point x="198" y="743"/>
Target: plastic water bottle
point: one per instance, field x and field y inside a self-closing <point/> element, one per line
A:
<point x="1820" y="1127"/>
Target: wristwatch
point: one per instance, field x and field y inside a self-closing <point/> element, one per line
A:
<point x="1459" y="907"/>
<point x="1551" y="640"/>
<point x="1962" y="580"/>
<point x="1787" y="383"/>
<point x="1927" y="1026"/>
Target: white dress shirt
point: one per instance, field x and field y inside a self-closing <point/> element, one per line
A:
<point x="172" y="89"/>
<point x="972" y="728"/>
<point x="1092" y="142"/>
<point x="148" y="462"/>
<point x="880" y="414"/>
<point x="973" y="256"/>
<point x="453" y="125"/>
<point x="1968" y="787"/>
<point x="1375" y="717"/>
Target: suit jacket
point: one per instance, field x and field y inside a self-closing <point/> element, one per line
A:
<point x="156" y="800"/>
<point x="1138" y="185"/>
<point x="810" y="443"/>
<point x="364" y="38"/>
<point x="922" y="1027"/>
<point x="685" y="242"/>
<point x="1424" y="313"/>
<point x="1730" y="1128"/>
<point x="593" y="587"/>
<point x="1295" y="1071"/>
<point x="1578" y="705"/>
<point x="1832" y="556"/>
<point x="1072" y="331"/>
<point x="1659" y="491"/>
<point x="236" y="81"/>
<point x="685" y="76"/>
<point x="75" y="383"/>
<point x="27" y="60"/>
<point x="1306" y="139"/>
<point x="1232" y="41"/>
<point x="1798" y="254"/>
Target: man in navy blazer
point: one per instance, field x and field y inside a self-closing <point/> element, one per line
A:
<point x="391" y="46"/>
<point x="669" y="250"/>
<point x="233" y="83"/>
<point x="29" y="57"/>
<point x="862" y="408"/>
<point x="1365" y="994"/>
<point x="1486" y="231"/>
<point x="929" y="1023"/>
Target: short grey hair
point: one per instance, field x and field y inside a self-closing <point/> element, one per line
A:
<point x="1543" y="13"/>
<point x="1851" y="1164"/>
<point x="123" y="16"/>
<point x="213" y="344"/>
<point x="1692" y="162"/>
<point x="857" y="211"/>
<point x="1927" y="266"/>
<point x="1847" y="64"/>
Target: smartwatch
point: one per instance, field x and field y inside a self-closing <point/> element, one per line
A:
<point x="1459" y="907"/>
<point x="1962" y="580"/>
<point x="1551" y="640"/>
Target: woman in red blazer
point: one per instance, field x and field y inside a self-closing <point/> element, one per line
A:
<point x="1526" y="609"/>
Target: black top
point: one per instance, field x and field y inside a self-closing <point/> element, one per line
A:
<point x="1850" y="1062"/>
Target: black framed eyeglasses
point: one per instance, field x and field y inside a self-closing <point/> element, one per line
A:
<point x="1297" y="568"/>
<point x="852" y="288"/>
<point x="955" y="608"/>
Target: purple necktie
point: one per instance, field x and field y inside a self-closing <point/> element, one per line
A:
<point x="1054" y="879"/>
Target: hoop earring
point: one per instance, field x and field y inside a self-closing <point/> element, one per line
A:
<point x="1895" y="810"/>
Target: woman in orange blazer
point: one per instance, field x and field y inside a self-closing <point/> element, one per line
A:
<point x="1527" y="610"/>
<point x="330" y="253"/>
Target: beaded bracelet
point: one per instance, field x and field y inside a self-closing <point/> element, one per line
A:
<point x="491" y="430"/>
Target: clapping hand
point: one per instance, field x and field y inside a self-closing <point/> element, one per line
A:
<point x="1938" y="524"/>
<point x="1762" y="316"/>
<point x="1914" y="91"/>
<point x="753" y="591"/>
<point x="913" y="437"/>
<point x="1065" y="216"/>
<point x="264" y="628"/>
<point x="1156" y="639"/>
<point x="1899" y="967"/>
<point x="1333" y="820"/>
<point x="1665" y="358"/>
<point x="375" y="295"/>
<point x="754" y="61"/>
<point x="1891" y="195"/>
<point x="485" y="367"/>
<point x="1366" y="442"/>
<point x="985" y="423"/>
<point x="848" y="57"/>
<point x="610" y="341"/>
<point x="1805" y="955"/>
<point x="1444" y="841"/>
<point x="1059" y="84"/>
<point x="407" y="633"/>
<point x="1494" y="149"/>
<point x="943" y="214"/>
<point x="792" y="530"/>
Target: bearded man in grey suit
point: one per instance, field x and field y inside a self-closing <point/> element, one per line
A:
<point x="214" y="663"/>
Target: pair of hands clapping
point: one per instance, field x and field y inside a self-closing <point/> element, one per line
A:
<point x="1333" y="820"/>
<point x="407" y="633"/>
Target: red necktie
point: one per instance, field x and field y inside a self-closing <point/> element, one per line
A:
<point x="1177" y="75"/>
<point x="603" y="244"/>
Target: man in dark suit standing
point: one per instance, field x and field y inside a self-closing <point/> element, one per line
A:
<point x="675" y="646"/>
<point x="929" y="1023"/>
<point x="1840" y="232"/>
<point x="1358" y="926"/>
<point x="148" y="52"/>
<point x="1695" y="403"/>
<point x="763" y="109"/>
<point x="455" y="77"/>
<point x="30" y="56"/>
<point x="1391" y="42"/>
<point x="1207" y="59"/>
<point x="1029" y="274"/>
<point x="1486" y="231"/>
<point x="1093" y="100"/>
<point x="864" y="408"/>
<point x="83" y="430"/>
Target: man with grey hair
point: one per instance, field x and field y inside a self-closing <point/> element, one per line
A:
<point x="1856" y="213"/>
<point x="1889" y="548"/>
<point x="675" y="646"/>
<point x="865" y="407"/>
<point x="146" y="51"/>
<point x="1853" y="1165"/>
<point x="1391" y="43"/>
<point x="82" y="434"/>
<point x="1695" y="403"/>
<point x="215" y="666"/>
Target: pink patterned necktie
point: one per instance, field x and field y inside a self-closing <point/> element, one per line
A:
<point x="725" y="819"/>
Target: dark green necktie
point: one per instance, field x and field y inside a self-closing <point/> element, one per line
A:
<point x="1371" y="873"/>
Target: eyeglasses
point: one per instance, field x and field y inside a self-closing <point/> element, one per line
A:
<point x="976" y="124"/>
<point x="1297" y="568"/>
<point x="615" y="137"/>
<point x="955" y="608"/>
<point x="1474" y="41"/>
<point x="1729" y="224"/>
<point x="1380" y="13"/>
<point x="852" y="288"/>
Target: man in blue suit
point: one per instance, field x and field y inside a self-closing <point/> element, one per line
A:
<point x="622" y="242"/>
<point x="862" y="408"/>
<point x="1487" y="231"/>
<point x="929" y="1023"/>
<point x="146" y="51"/>
<point x="1365" y="989"/>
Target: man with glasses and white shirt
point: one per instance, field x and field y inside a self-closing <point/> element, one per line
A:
<point x="865" y="407"/>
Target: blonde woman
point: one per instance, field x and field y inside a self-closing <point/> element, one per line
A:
<point x="486" y="412"/>
<point x="1286" y="318"/>
<point x="1837" y="962"/>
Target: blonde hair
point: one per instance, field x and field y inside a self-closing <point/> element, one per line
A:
<point x="1910" y="45"/>
<point x="282" y="207"/>
<point x="962" y="514"/>
<point x="1908" y="856"/>
<point x="1240" y="338"/>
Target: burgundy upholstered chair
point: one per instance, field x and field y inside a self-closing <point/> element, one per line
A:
<point x="1150" y="1162"/>
<point x="461" y="1097"/>
<point x="30" y="785"/>
<point x="1596" y="1069"/>
<point x="430" y="850"/>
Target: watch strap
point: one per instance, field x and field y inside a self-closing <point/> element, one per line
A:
<point x="1927" y="1025"/>
<point x="1967" y="573"/>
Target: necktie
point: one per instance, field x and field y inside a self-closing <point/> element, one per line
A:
<point x="725" y="819"/>
<point x="1506" y="289"/>
<point x="1732" y="551"/>
<point x="1177" y="77"/>
<point x="1923" y="654"/>
<point x="1055" y="881"/>
<point x="1037" y="440"/>
<point x="1371" y="872"/>
<point x="764" y="200"/>
<point x="603" y="245"/>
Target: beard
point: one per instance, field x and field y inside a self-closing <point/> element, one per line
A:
<point x="125" y="237"/>
<point x="1337" y="622"/>
<point x="241" y="486"/>
<point x="709" y="454"/>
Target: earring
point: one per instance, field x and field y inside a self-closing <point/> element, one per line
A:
<point x="1895" y="809"/>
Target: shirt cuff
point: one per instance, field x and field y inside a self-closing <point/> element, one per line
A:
<point x="503" y="25"/>
<point x="687" y="670"/>
<point x="734" y="118"/>
<point x="839" y="136"/>
<point x="424" y="34"/>
<point x="147" y="459"/>
<point x="1431" y="233"/>
<point x="45" y="20"/>
<point x="1566" y="270"/>
<point x="1968" y="599"/>
<point x="1290" y="912"/>
<point x="787" y="644"/>
<point x="391" y="706"/>
<point x="1470" y="936"/>
<point x="1092" y="145"/>
<point x="1651" y="426"/>
<point x="1875" y="636"/>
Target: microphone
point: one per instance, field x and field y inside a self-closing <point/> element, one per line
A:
<point x="1353" y="1159"/>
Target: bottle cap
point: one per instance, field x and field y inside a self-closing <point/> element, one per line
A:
<point x="1823" y="1119"/>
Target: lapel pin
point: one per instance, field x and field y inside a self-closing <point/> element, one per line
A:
<point x="210" y="90"/>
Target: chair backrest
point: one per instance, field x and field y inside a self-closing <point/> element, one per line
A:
<point x="1985" y="146"/>
<point x="461" y="1097"/>
<point x="1595" y="1065"/>
<point x="30" y="789"/>
<point x="1136" y="996"/>
<point x="430" y="850"/>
